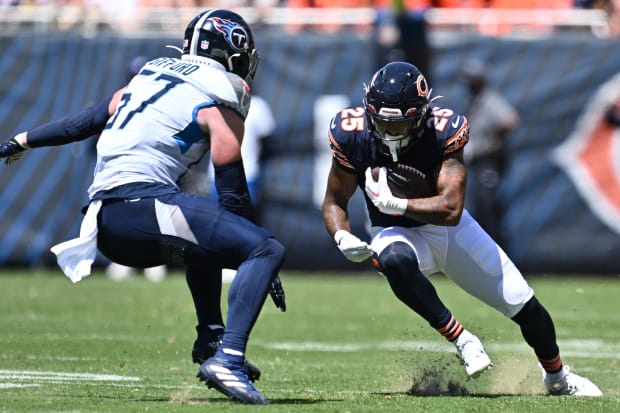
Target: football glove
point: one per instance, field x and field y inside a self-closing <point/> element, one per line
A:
<point x="276" y="291"/>
<point x="381" y="196"/>
<point x="353" y="248"/>
<point x="11" y="151"/>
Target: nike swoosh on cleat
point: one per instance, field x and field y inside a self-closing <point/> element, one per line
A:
<point x="456" y="122"/>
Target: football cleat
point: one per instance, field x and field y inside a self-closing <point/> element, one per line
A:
<point x="229" y="377"/>
<point x="205" y="348"/>
<point x="470" y="349"/>
<point x="567" y="383"/>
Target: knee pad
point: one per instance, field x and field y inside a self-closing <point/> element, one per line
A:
<point x="395" y="258"/>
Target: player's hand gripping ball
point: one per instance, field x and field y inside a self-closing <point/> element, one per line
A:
<point x="407" y="182"/>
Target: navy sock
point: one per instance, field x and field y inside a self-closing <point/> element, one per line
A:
<point x="539" y="332"/>
<point x="205" y="285"/>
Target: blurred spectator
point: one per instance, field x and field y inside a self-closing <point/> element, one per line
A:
<point x="541" y="19"/>
<point x="611" y="8"/>
<point x="401" y="35"/>
<point x="491" y="117"/>
<point x="169" y="3"/>
<point x="327" y="23"/>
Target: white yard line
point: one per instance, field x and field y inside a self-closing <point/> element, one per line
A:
<point x="570" y="348"/>
<point x="10" y="379"/>
<point x="35" y="375"/>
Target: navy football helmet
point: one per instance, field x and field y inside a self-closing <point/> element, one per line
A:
<point x="224" y="36"/>
<point x="396" y="102"/>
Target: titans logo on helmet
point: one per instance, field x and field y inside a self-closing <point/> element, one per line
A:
<point x="235" y="34"/>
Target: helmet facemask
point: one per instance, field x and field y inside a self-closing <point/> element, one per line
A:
<point x="396" y="134"/>
<point x="244" y="65"/>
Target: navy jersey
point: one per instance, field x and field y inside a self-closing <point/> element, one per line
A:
<point x="445" y="131"/>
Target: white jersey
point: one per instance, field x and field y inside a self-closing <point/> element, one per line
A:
<point x="153" y="136"/>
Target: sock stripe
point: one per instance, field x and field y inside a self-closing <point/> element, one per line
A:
<point x="552" y="365"/>
<point x="232" y="352"/>
<point x="448" y="324"/>
<point x="452" y="330"/>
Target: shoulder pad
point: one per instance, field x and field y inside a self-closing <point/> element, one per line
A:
<point x="451" y="128"/>
<point x="344" y="132"/>
<point x="242" y="91"/>
<point x="226" y="89"/>
<point x="458" y="137"/>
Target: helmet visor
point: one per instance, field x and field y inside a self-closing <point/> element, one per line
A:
<point x="392" y="129"/>
<point x="396" y="134"/>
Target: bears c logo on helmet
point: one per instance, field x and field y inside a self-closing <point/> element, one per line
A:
<point x="591" y="156"/>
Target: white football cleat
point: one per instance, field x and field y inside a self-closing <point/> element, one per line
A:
<point x="568" y="383"/>
<point x="470" y="349"/>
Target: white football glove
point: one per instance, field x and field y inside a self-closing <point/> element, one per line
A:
<point x="351" y="246"/>
<point x="381" y="196"/>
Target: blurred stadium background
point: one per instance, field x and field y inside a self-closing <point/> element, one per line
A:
<point x="560" y="67"/>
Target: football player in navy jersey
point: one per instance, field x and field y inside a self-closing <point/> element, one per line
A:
<point x="152" y="131"/>
<point x="413" y="238"/>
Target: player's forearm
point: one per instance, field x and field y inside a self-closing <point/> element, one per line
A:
<point x="337" y="225"/>
<point x="445" y="208"/>
<point x="435" y="210"/>
<point x="335" y="218"/>
<point x="232" y="188"/>
<point x="71" y="128"/>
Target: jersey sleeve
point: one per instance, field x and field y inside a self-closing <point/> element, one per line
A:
<point x="229" y="91"/>
<point x="457" y="137"/>
<point x="339" y="144"/>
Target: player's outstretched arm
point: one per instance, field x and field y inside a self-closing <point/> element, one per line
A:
<point x="70" y="128"/>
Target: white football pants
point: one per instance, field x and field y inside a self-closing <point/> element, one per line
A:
<point x="467" y="255"/>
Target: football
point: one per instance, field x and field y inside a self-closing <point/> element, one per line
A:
<point x="407" y="182"/>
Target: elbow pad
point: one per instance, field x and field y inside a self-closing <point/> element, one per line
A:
<point x="71" y="128"/>
<point x="232" y="190"/>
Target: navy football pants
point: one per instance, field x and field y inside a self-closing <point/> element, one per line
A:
<point x="180" y="228"/>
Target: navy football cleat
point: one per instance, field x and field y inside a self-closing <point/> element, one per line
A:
<point x="205" y="349"/>
<point x="229" y="377"/>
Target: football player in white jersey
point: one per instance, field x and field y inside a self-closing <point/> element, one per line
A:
<point x="164" y="121"/>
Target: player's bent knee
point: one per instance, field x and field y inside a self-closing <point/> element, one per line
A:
<point x="532" y="312"/>
<point x="270" y="247"/>
<point x="396" y="257"/>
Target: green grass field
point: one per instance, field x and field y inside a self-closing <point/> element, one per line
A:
<point x="344" y="345"/>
